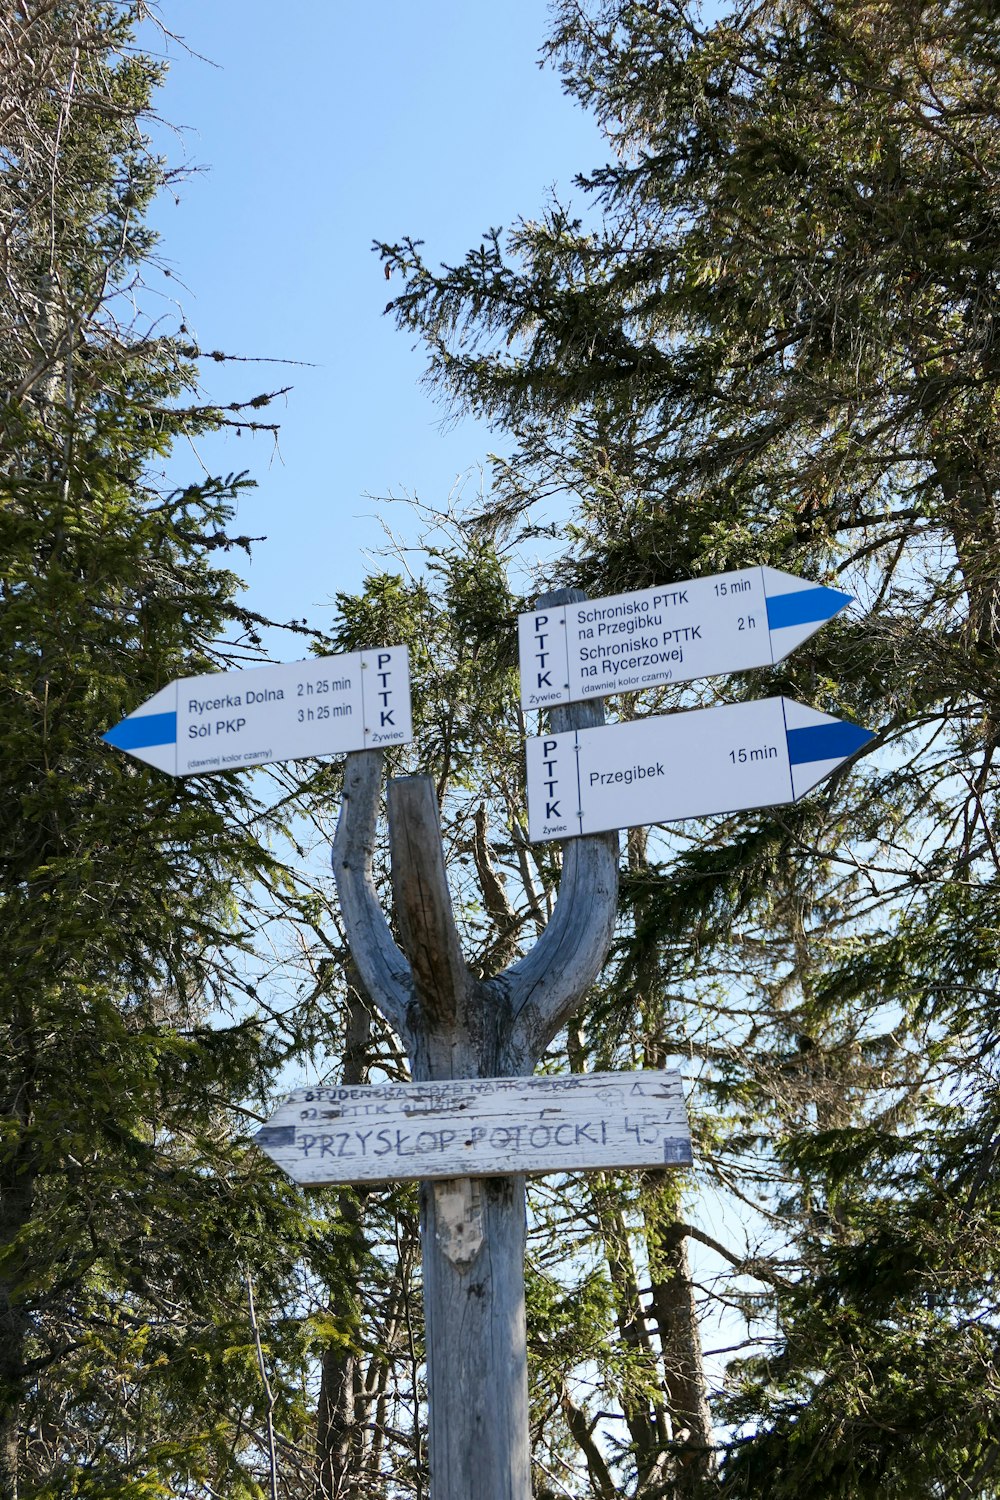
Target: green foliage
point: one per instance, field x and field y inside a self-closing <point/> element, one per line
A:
<point x="769" y="339"/>
<point x="131" y="1215"/>
<point x="769" y="336"/>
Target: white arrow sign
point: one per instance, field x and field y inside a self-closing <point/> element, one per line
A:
<point x="684" y="765"/>
<point x="628" y="642"/>
<point x="327" y="705"/>
<point x="480" y="1127"/>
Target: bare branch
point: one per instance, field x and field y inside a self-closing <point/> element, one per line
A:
<point x="423" y="903"/>
<point x="383" y="970"/>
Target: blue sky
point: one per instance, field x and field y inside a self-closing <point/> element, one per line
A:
<point x="321" y="127"/>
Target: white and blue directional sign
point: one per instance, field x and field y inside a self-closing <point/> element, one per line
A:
<point x="674" y="633"/>
<point x="222" y="721"/>
<point x="685" y="765"/>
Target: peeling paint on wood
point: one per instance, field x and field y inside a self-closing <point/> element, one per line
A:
<point x="459" y="1219"/>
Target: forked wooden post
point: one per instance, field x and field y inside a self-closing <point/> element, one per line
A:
<point x="456" y="1026"/>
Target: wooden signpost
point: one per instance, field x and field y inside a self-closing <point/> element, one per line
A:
<point x="475" y="1122"/>
<point x="456" y="1026"/>
<point x="469" y="1040"/>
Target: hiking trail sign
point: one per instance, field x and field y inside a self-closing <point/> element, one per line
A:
<point x="672" y="633"/>
<point x="327" y="705"/>
<point x="480" y="1127"/>
<point x="475" y="1122"/>
<point x="667" y="767"/>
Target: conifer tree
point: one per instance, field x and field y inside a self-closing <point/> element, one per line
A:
<point x="770" y="336"/>
<point x="134" y="1230"/>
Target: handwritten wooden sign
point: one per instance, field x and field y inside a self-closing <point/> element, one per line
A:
<point x="480" y="1127"/>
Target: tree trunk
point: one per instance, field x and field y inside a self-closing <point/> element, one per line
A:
<point x="472" y="1231"/>
<point x="338" y="1423"/>
<point x="18" y="1176"/>
<point x="676" y="1316"/>
<point x="477" y="1371"/>
<point x="10" y="1430"/>
<point x="16" y="1195"/>
<point x="644" y="1414"/>
<point x="456" y="1026"/>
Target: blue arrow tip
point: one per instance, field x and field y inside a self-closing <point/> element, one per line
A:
<point x="142" y="730"/>
<point x="805" y="606"/>
<point x="832" y="741"/>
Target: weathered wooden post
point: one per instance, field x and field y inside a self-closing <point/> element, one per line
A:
<point x="455" y="1026"/>
<point x="472" y="1040"/>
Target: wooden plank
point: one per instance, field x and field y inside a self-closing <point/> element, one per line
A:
<point x="480" y="1127"/>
